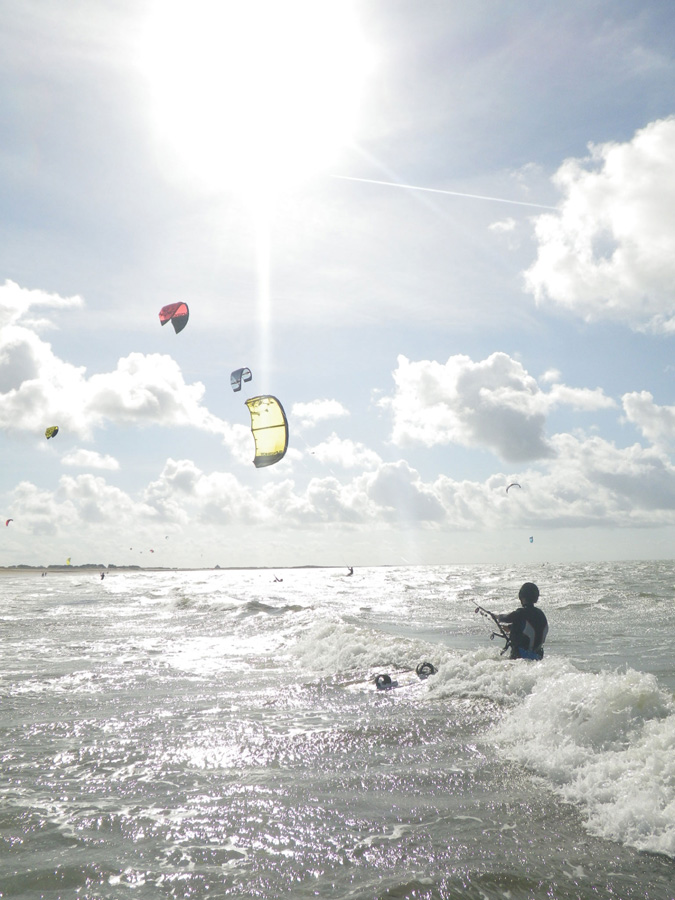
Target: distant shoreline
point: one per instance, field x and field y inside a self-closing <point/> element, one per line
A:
<point x="96" y="567"/>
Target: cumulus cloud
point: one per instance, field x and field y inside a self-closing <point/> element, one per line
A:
<point x="610" y="252"/>
<point x="551" y="376"/>
<point x="493" y="404"/>
<point x="309" y="414"/>
<point x="37" y="387"/>
<point x="582" y="399"/>
<point x="16" y="301"/>
<point x="183" y="492"/>
<point x="657" y="423"/>
<point x="601" y="483"/>
<point x="399" y="494"/>
<point x="346" y="453"/>
<point x="90" y="459"/>
<point x="147" y="389"/>
<point x="390" y="492"/>
<point x="84" y="505"/>
<point x="591" y="482"/>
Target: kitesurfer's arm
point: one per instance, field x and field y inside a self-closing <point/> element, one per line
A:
<point x="514" y="622"/>
<point x="508" y="617"/>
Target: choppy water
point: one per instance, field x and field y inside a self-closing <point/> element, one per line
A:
<point x="218" y="734"/>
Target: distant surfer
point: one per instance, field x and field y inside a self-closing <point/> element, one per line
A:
<point x="351" y="571"/>
<point x="527" y="626"/>
<point x="278" y="579"/>
<point x="102" y="575"/>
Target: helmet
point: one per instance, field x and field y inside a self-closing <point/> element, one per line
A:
<point x="529" y="593"/>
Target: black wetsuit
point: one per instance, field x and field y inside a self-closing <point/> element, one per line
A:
<point x="528" y="631"/>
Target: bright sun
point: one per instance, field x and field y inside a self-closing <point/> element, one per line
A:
<point x="253" y="94"/>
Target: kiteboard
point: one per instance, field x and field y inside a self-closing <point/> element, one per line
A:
<point x="384" y="681"/>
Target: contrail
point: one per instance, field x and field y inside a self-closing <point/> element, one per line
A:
<point x="414" y="187"/>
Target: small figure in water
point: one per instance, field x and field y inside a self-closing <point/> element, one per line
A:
<point x="527" y="626"/>
<point x="351" y="571"/>
<point x="278" y="579"/>
<point x="102" y="575"/>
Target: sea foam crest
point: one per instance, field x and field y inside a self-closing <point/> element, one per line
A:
<point x="604" y="742"/>
<point x="338" y="648"/>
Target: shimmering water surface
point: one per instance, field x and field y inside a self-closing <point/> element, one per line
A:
<point x="219" y="734"/>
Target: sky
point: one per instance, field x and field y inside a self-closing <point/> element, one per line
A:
<point x="441" y="234"/>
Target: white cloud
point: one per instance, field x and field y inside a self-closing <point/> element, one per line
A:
<point x="183" y="492"/>
<point x="590" y="482"/>
<point x="610" y="253"/>
<point x="38" y="389"/>
<point x="493" y="404"/>
<point x="310" y="414"/>
<point x="147" y="389"/>
<point x="507" y="229"/>
<point x="596" y="482"/>
<point x="583" y="399"/>
<point x="551" y="376"/>
<point x="15" y="302"/>
<point x="239" y="441"/>
<point x="398" y="494"/>
<point x="392" y="492"/>
<point x="90" y="459"/>
<point x="504" y="226"/>
<point x="657" y="423"/>
<point x="83" y="505"/>
<point x="346" y="453"/>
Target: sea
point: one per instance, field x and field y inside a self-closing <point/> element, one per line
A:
<point x="220" y="734"/>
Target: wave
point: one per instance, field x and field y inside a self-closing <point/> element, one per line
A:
<point x="603" y="741"/>
<point x="257" y="606"/>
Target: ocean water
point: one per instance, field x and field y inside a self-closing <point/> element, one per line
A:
<point x="212" y="734"/>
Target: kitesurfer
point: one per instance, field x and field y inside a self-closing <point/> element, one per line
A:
<point x="527" y="626"/>
<point x="351" y="570"/>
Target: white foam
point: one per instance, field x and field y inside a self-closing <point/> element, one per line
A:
<point x="604" y="742"/>
<point x="334" y="647"/>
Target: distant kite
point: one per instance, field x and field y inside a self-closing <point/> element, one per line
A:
<point x="52" y="431"/>
<point x="176" y="313"/>
<point x="531" y="540"/>
<point x="514" y="484"/>
<point x="270" y="430"/>
<point x="8" y="521"/>
<point x="238" y="376"/>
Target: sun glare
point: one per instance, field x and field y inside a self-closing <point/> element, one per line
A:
<point x="253" y="94"/>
